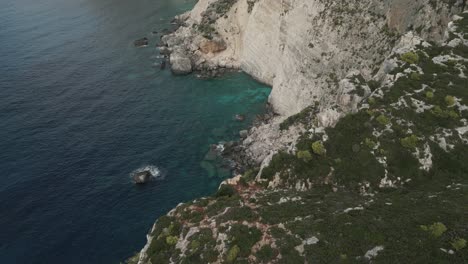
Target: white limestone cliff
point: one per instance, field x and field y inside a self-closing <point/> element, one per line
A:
<point x="303" y="48"/>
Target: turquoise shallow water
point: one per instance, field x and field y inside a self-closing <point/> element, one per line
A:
<point x="81" y="109"/>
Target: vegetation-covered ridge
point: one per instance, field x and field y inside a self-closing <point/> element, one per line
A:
<point x="387" y="184"/>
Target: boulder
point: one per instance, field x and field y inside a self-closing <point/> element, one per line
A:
<point x="164" y="50"/>
<point x="212" y="46"/>
<point x="243" y="133"/>
<point x="142" y="177"/>
<point x="180" y="63"/>
<point x="141" y="42"/>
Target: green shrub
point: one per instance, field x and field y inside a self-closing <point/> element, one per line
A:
<point x="383" y="120"/>
<point x="458" y="244"/>
<point x="452" y="114"/>
<point x="370" y="143"/>
<point x="370" y="112"/>
<point x="436" y="229"/>
<point x="373" y="84"/>
<point x="318" y="148"/>
<point x="304" y="155"/>
<point x="410" y="57"/>
<point x="250" y="174"/>
<point x="265" y="254"/>
<point x="301" y="117"/>
<point x="371" y="101"/>
<point x="225" y="190"/>
<point x="232" y="254"/>
<point x="409" y="142"/>
<point x="429" y="95"/>
<point x="194" y="245"/>
<point x="415" y="76"/>
<point x="450" y="100"/>
<point x="437" y="111"/>
<point x="171" y="240"/>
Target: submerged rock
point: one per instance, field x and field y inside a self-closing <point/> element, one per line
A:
<point x="240" y="117"/>
<point x="142" y="177"/>
<point x="141" y="42"/>
<point x="163" y="64"/>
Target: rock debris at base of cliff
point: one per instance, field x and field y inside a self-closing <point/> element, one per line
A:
<point x="372" y="170"/>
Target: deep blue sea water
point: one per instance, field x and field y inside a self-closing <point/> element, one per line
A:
<point x="81" y="108"/>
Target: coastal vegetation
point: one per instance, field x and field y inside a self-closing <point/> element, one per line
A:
<point x="387" y="184"/>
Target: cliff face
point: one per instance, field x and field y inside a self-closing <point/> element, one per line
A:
<point x="387" y="184"/>
<point x="366" y="162"/>
<point x="302" y="48"/>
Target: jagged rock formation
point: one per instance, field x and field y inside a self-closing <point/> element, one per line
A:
<point x="302" y="48"/>
<point x="386" y="183"/>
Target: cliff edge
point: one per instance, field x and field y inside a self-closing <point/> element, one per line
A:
<point x="366" y="162"/>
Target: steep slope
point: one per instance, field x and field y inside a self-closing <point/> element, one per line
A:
<point x="387" y="184"/>
<point x="302" y="47"/>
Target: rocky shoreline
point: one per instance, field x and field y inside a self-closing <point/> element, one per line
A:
<point x="286" y="162"/>
<point x="186" y="52"/>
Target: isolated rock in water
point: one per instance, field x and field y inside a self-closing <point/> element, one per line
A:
<point x="163" y="64"/>
<point x="240" y="117"/>
<point x="142" y="177"/>
<point x="141" y="42"/>
<point x="180" y="63"/>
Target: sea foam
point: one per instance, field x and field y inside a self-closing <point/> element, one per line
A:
<point x="156" y="173"/>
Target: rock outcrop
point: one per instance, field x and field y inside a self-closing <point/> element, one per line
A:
<point x="341" y="186"/>
<point x="143" y="42"/>
<point x="303" y="48"/>
<point x="311" y="52"/>
<point x="142" y="177"/>
<point x="180" y="62"/>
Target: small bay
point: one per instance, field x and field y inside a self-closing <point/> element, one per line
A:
<point x="81" y="108"/>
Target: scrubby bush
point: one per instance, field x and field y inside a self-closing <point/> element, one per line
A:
<point x="232" y="254"/>
<point x="450" y="100"/>
<point x="409" y="142"/>
<point x="370" y="143"/>
<point x="171" y="240"/>
<point x="373" y="84"/>
<point x="304" y="155"/>
<point x="436" y="229"/>
<point x="452" y="114"/>
<point x="458" y="244"/>
<point x="437" y="111"/>
<point x="265" y="254"/>
<point x="318" y="148"/>
<point x="207" y="30"/>
<point x="429" y="95"/>
<point x="410" y="57"/>
<point x="415" y="76"/>
<point x="225" y="190"/>
<point x="383" y="120"/>
<point x="371" y="101"/>
<point x="370" y="112"/>
<point x="301" y="117"/>
<point x="194" y="245"/>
